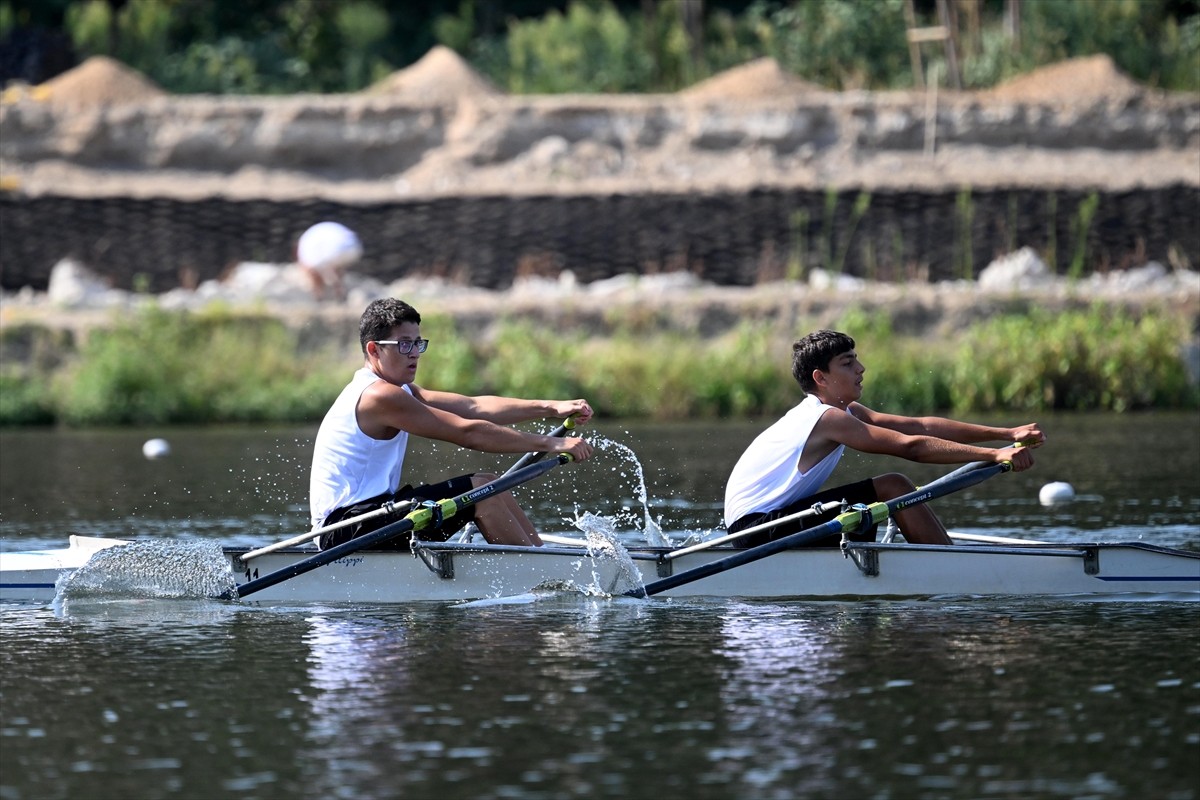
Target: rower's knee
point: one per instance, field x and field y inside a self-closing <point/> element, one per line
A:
<point x="481" y="478"/>
<point x="891" y="485"/>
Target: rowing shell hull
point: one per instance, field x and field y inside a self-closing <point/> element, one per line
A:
<point x="455" y="572"/>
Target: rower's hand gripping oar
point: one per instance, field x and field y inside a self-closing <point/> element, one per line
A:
<point x="974" y="465"/>
<point x="426" y="516"/>
<point x="530" y="458"/>
<point x="846" y="521"/>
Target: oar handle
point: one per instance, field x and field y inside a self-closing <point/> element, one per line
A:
<point x="974" y="465"/>
<point x="414" y="521"/>
<point x="530" y="458"/>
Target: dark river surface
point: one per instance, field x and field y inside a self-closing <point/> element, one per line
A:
<point x="587" y="697"/>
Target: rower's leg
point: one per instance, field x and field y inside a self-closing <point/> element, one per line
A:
<point x="918" y="523"/>
<point x="500" y="519"/>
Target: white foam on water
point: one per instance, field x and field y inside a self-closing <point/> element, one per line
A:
<point x="604" y="542"/>
<point x="651" y="529"/>
<point x="157" y="568"/>
<point x="546" y="592"/>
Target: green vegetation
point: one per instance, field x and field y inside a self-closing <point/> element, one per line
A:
<point x="159" y="367"/>
<point x="525" y="46"/>
<point x="1081" y="361"/>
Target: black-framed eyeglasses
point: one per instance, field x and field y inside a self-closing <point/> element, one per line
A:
<point x="405" y="346"/>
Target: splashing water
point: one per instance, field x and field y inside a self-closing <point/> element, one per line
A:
<point x="602" y="539"/>
<point x="152" y="568"/>
<point x="651" y="529"/>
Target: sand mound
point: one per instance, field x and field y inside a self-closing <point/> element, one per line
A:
<point x="761" y="78"/>
<point x="1085" y="79"/>
<point x="440" y="76"/>
<point x="99" y="81"/>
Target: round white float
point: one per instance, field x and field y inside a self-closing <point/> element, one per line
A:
<point x="1056" y="492"/>
<point x="156" y="448"/>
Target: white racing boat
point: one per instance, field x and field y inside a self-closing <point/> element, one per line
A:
<point x="457" y="571"/>
<point x="356" y="571"/>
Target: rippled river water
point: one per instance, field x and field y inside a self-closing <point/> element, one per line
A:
<point x="574" y="697"/>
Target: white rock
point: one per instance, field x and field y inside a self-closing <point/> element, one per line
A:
<point x="669" y="282"/>
<point x="548" y="151"/>
<point x="73" y="285"/>
<point x="1020" y="270"/>
<point x="607" y="287"/>
<point x="253" y="281"/>
<point x="822" y="279"/>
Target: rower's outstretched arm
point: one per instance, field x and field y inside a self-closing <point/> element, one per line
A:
<point x="1029" y="434"/>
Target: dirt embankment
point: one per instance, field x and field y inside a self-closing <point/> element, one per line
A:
<point x="437" y="128"/>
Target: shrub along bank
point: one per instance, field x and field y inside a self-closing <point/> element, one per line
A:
<point x="158" y="367"/>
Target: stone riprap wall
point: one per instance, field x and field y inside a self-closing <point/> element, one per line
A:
<point x="734" y="238"/>
<point x="172" y="191"/>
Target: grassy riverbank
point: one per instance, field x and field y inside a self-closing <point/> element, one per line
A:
<point x="158" y="367"/>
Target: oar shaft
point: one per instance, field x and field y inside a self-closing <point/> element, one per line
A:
<point x="468" y="532"/>
<point x="877" y="512"/>
<point x="963" y="470"/>
<point x="388" y="508"/>
<point x="818" y="508"/>
<point x="413" y="522"/>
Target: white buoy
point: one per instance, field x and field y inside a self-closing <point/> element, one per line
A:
<point x="1055" y="493"/>
<point x="156" y="448"/>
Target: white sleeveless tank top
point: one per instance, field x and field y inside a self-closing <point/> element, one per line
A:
<point x="348" y="466"/>
<point x="767" y="477"/>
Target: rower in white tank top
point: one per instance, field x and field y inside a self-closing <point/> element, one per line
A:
<point x="348" y="466"/>
<point x="767" y="476"/>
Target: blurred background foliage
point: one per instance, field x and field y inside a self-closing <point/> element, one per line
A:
<point x="585" y="46"/>
<point x="216" y="366"/>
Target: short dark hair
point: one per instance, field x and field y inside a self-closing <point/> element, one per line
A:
<point x="381" y="316"/>
<point x="815" y="351"/>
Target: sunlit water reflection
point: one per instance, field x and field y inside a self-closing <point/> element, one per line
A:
<point x="577" y="694"/>
<point x="583" y="696"/>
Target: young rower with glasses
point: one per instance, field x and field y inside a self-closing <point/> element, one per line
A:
<point x="358" y="457"/>
<point x="781" y="473"/>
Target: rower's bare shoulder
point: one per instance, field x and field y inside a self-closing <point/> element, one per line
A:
<point x="384" y="402"/>
<point x="863" y="414"/>
<point x="831" y="429"/>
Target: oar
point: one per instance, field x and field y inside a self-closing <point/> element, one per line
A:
<point x="984" y="539"/>
<point x="974" y="465"/>
<point x="388" y="508"/>
<point x="874" y="513"/>
<point x="817" y="508"/>
<point x="417" y="520"/>
<point x="530" y="458"/>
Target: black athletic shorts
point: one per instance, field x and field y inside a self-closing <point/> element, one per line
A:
<point x="436" y="491"/>
<point x="851" y="493"/>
